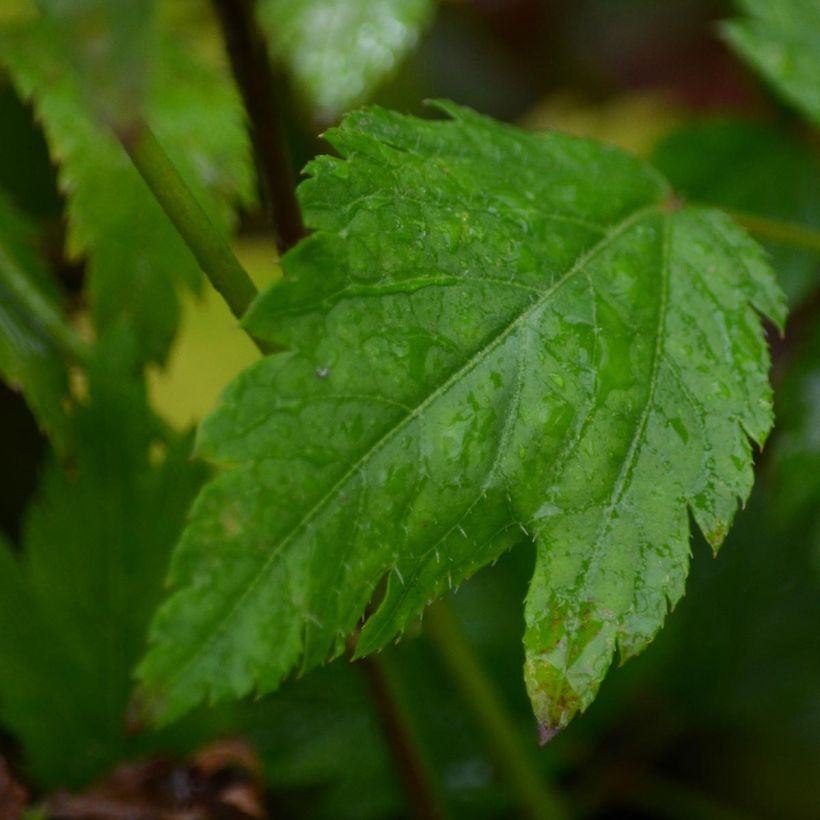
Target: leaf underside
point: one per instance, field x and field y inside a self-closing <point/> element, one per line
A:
<point x="494" y="335"/>
<point x="781" y="40"/>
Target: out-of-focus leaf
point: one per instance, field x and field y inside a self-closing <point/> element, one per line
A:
<point x="781" y="40"/>
<point x="35" y="340"/>
<point x="482" y="345"/>
<point x="73" y="613"/>
<point x="31" y="689"/>
<point x="136" y="259"/>
<point x="737" y="664"/>
<point x="751" y="169"/>
<point x="338" y="50"/>
<point x="110" y="45"/>
<point x="16" y="11"/>
<point x="304" y="735"/>
<point x="797" y="446"/>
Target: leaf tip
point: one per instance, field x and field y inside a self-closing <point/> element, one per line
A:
<point x="546" y="733"/>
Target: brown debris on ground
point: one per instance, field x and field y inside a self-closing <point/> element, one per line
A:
<point x="13" y="796"/>
<point x="222" y="781"/>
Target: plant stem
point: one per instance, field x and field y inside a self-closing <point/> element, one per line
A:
<point x="786" y="232"/>
<point x="512" y="757"/>
<point x="415" y="779"/>
<point x="251" y="66"/>
<point x="207" y="243"/>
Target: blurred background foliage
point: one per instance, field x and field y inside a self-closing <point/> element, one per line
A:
<point x="721" y="717"/>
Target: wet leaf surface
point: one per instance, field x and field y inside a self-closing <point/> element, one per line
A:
<point x="494" y="336"/>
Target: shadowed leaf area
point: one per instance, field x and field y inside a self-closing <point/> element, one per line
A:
<point x="493" y="336"/>
<point x="75" y="606"/>
<point x="781" y="40"/>
<point x="32" y="330"/>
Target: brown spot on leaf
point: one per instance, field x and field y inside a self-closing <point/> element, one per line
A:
<point x="546" y="733"/>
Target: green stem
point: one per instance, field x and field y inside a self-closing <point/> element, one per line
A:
<point x="207" y="243"/>
<point x="786" y="232"/>
<point x="503" y="741"/>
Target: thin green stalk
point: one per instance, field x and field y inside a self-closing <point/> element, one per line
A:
<point x="788" y="233"/>
<point x="532" y="793"/>
<point x="207" y="243"/>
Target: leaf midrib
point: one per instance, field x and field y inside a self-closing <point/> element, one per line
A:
<point x="476" y="359"/>
<point x="625" y="474"/>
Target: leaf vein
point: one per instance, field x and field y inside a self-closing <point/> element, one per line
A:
<point x="475" y="360"/>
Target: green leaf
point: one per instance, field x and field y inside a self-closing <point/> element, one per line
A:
<point x="136" y="259"/>
<point x="35" y="340"/>
<point x="781" y="40"/>
<point x="110" y="44"/>
<point x="495" y="335"/>
<point x="75" y="609"/>
<point x="751" y="169"/>
<point x="339" y="50"/>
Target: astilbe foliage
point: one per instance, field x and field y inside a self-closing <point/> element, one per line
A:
<point x="492" y="335"/>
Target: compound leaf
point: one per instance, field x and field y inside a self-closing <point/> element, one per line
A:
<point x="338" y="50"/>
<point x="135" y="257"/>
<point x="494" y="335"/>
<point x="781" y="40"/>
